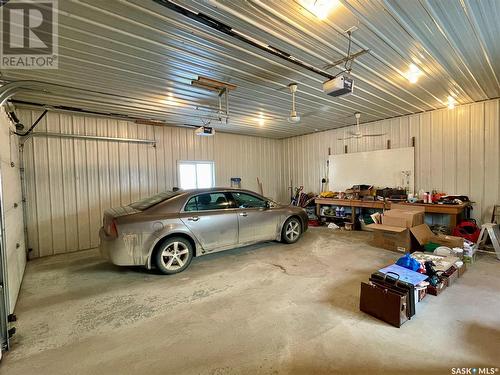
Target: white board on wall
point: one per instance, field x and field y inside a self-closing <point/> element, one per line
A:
<point x="381" y="168"/>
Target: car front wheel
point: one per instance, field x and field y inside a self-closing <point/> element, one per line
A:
<point x="292" y="229"/>
<point x="174" y="255"/>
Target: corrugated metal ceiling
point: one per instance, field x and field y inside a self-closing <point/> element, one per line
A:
<point x="148" y="54"/>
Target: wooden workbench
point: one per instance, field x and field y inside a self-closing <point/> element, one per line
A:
<point x="455" y="211"/>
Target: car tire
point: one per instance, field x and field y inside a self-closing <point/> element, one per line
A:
<point x="291" y="231"/>
<point x="174" y="255"/>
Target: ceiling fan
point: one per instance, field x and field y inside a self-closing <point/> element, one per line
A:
<point x="357" y="134"/>
<point x="295" y="117"/>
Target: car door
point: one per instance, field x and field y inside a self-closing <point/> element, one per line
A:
<point x="256" y="221"/>
<point x="212" y="219"/>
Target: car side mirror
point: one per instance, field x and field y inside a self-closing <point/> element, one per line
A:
<point x="268" y="204"/>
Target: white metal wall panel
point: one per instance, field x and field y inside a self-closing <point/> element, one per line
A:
<point x="457" y="151"/>
<point x="12" y="203"/>
<point x="70" y="182"/>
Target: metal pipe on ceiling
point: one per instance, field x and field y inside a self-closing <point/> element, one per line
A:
<point x="12" y="88"/>
<point x="225" y="29"/>
<point x="93" y="137"/>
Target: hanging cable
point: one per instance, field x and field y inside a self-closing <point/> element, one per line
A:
<point x="34" y="124"/>
<point x="348" y="62"/>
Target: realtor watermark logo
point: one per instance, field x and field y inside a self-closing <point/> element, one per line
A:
<point x="29" y="37"/>
<point x="474" y="370"/>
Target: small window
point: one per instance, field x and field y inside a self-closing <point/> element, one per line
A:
<point x="208" y="201"/>
<point x="244" y="200"/>
<point x="196" y="174"/>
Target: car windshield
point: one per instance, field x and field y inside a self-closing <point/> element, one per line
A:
<point x="148" y="202"/>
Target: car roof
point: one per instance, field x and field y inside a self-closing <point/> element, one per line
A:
<point x="177" y="202"/>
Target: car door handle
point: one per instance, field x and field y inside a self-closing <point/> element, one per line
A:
<point x="193" y="218"/>
<point x="243" y="214"/>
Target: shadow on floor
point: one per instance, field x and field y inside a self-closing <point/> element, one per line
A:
<point x="344" y="297"/>
<point x="355" y="369"/>
<point x="108" y="278"/>
<point x="484" y="340"/>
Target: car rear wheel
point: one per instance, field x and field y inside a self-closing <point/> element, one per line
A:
<point x="174" y="255"/>
<point x="292" y="229"/>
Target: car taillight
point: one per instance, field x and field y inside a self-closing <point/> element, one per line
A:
<point x="111" y="229"/>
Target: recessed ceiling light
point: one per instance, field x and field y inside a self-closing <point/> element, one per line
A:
<point x="451" y="102"/>
<point x="320" y="8"/>
<point x="171" y="100"/>
<point x="413" y="73"/>
<point x="261" y="120"/>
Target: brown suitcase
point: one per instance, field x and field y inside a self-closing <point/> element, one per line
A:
<point x="384" y="304"/>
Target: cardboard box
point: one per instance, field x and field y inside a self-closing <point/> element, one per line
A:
<point x="367" y="192"/>
<point x="441" y="262"/>
<point x="391" y="238"/>
<point x="420" y="293"/>
<point x="451" y="275"/>
<point x="402" y="215"/>
<point x="461" y="270"/>
<point x="469" y="259"/>
<point x="424" y="235"/>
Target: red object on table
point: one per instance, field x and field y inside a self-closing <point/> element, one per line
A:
<point x="437" y="196"/>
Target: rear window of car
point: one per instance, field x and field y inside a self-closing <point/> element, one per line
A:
<point x="148" y="202"/>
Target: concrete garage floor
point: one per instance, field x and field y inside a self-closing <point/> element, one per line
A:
<point x="270" y="308"/>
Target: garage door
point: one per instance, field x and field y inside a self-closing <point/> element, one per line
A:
<point x="13" y="244"/>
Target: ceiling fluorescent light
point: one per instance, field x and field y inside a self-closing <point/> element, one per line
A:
<point x="320" y="8"/>
<point x="451" y="102"/>
<point x="171" y="100"/>
<point x="261" y="120"/>
<point x="413" y="73"/>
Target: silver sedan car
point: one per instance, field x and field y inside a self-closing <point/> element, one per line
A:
<point x="167" y="230"/>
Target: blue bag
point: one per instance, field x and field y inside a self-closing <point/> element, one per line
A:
<point x="408" y="262"/>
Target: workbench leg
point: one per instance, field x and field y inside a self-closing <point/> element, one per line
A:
<point x="453" y="221"/>
<point x="318" y="209"/>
